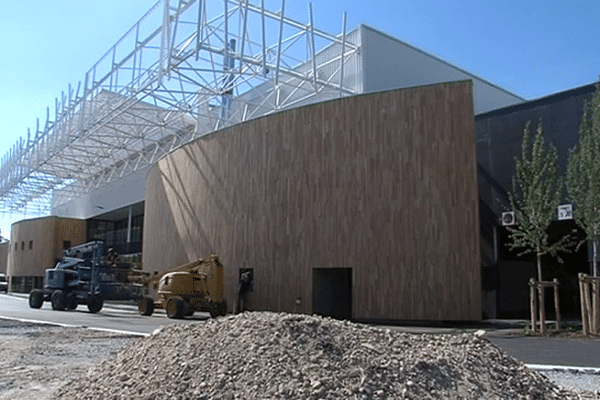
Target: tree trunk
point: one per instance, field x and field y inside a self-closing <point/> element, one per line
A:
<point x="533" y="296"/>
<point x="584" y="314"/>
<point x="542" y="304"/>
<point x="556" y="304"/>
<point x="594" y="262"/>
<point x="539" y="266"/>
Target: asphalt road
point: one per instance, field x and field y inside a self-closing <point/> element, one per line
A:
<point x="552" y="351"/>
<point x="117" y="317"/>
<point x="583" y="353"/>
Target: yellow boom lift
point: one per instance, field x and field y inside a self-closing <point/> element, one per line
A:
<point x="183" y="290"/>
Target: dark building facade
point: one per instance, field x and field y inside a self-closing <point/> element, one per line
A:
<point x="499" y="136"/>
<point x="120" y="229"/>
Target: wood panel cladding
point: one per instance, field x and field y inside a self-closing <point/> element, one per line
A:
<point x="35" y="244"/>
<point x="4" y="247"/>
<point x="382" y="183"/>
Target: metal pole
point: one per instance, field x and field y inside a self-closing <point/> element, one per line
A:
<point x="495" y="233"/>
<point x="343" y="51"/>
<point x="556" y="304"/>
<point x="595" y="305"/>
<point x="264" y="43"/>
<point x="114" y="56"/>
<point x="243" y="38"/>
<point x="279" y="43"/>
<point x="226" y="22"/>
<point x="129" y="226"/>
<point x="199" y="29"/>
<point x="312" y="46"/>
<point x="173" y="36"/>
<point x="137" y="41"/>
<point x="82" y="110"/>
<point x="164" y="42"/>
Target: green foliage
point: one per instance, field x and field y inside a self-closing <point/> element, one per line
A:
<point x="583" y="170"/>
<point x="535" y="197"/>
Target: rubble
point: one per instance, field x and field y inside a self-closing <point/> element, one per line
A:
<point x="263" y="355"/>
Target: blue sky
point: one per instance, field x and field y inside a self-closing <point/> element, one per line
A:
<point x="531" y="48"/>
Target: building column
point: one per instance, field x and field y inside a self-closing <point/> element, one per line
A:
<point x="129" y="218"/>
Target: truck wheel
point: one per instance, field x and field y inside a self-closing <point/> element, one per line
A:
<point x="58" y="300"/>
<point x="94" y="304"/>
<point x="189" y="311"/>
<point x="175" y="307"/>
<point x="223" y="308"/>
<point x="217" y="309"/>
<point x="213" y="310"/>
<point x="36" y="298"/>
<point x="71" y="301"/>
<point x="146" y="306"/>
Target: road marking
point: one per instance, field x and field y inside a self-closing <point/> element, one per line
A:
<point x="33" y="321"/>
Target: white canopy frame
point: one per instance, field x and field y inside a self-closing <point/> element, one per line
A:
<point x="184" y="70"/>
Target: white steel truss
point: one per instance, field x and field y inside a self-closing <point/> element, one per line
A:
<point x="184" y="70"/>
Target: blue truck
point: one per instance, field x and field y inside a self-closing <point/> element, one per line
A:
<point x="83" y="277"/>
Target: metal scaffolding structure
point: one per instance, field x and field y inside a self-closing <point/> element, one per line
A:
<point x="184" y="70"/>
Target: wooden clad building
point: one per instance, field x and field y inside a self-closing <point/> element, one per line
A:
<point x="37" y="244"/>
<point x="363" y="207"/>
<point x="4" y="247"/>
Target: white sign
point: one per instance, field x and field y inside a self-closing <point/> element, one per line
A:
<point x="565" y="211"/>
<point x="508" y="218"/>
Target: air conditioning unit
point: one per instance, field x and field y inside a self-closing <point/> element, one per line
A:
<point x="508" y="218"/>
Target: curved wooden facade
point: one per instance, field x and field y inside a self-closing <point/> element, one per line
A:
<point x="4" y="247"/>
<point x="37" y="244"/>
<point x="381" y="185"/>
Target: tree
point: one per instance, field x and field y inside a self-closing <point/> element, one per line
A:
<point x="535" y="197"/>
<point x="583" y="174"/>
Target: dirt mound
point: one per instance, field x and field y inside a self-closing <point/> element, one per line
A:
<point x="263" y="355"/>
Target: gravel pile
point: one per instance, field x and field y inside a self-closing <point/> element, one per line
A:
<point x="263" y="355"/>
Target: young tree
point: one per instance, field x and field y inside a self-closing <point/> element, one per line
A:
<point x="535" y="197"/>
<point x="583" y="174"/>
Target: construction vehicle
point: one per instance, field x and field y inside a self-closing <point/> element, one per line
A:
<point x="183" y="290"/>
<point x="82" y="277"/>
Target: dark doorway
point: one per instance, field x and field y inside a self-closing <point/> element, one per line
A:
<point x="332" y="292"/>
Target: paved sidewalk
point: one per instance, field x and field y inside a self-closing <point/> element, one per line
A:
<point x="540" y="353"/>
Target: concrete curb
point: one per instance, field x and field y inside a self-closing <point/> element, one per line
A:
<point x="499" y="333"/>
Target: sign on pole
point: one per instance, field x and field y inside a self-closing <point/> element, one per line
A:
<point x="565" y="211"/>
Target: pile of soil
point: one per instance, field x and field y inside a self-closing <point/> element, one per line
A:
<point x="263" y="355"/>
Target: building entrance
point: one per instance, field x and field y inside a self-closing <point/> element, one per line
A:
<point x="332" y="292"/>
